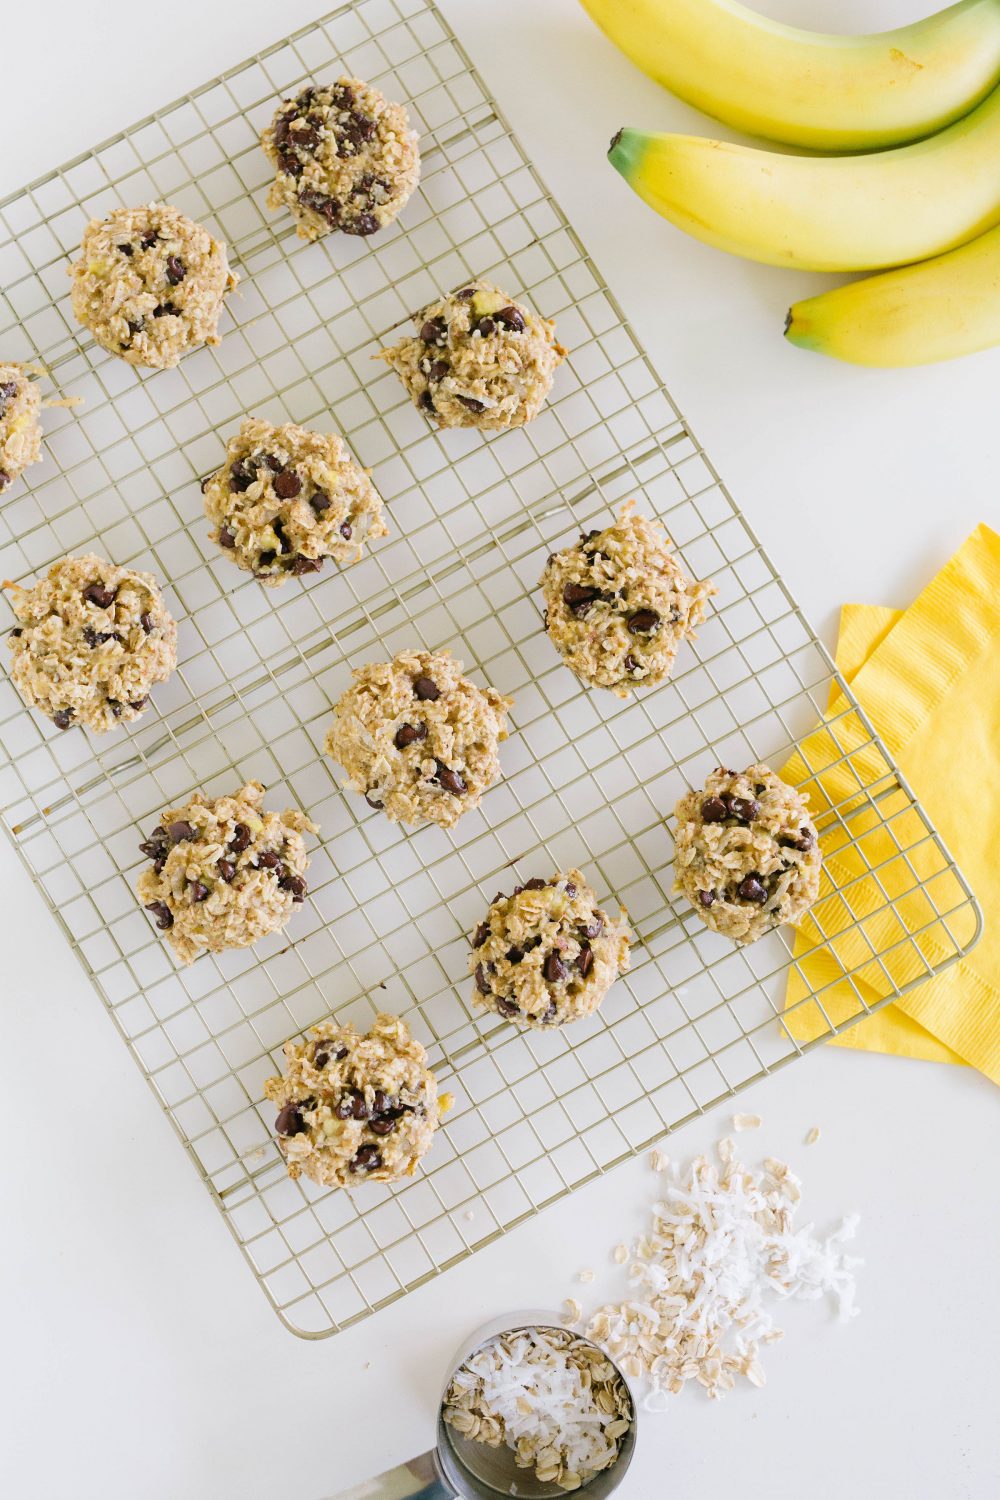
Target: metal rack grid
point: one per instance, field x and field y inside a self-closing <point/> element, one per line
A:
<point x="588" y="779"/>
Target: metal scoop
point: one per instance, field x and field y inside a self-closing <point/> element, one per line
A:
<point x="458" y="1468"/>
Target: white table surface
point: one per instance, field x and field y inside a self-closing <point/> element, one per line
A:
<point x="139" y="1357"/>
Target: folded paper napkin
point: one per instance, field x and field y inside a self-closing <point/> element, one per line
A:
<point x="929" y="680"/>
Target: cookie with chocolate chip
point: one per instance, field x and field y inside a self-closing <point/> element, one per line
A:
<point x="417" y="739"/>
<point x="548" y="954"/>
<point x="344" y="157"/>
<point x="223" y="872"/>
<point x="91" y="642"/>
<point x="287" y="499"/>
<point x="150" y="284"/>
<point x="477" y="359"/>
<point x="356" y="1108"/>
<point x="20" y="430"/>
<point x="747" y="852"/>
<point x="618" y="604"/>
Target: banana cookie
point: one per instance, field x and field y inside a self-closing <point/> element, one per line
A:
<point x="91" y="642"/>
<point x="478" y="359"/>
<point x="224" y="872"/>
<point x="150" y="284"/>
<point x="20" y="429"/>
<point x="346" y="159"/>
<point x="355" y="1108"/>
<point x="618" y="604"/>
<point x="417" y="739"/>
<point x="747" y="853"/>
<point x="286" y="499"/>
<point x="547" y="954"/>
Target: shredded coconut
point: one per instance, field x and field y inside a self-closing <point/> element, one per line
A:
<point x="722" y="1246"/>
<point x="551" y="1397"/>
<point x="813" y="1136"/>
<point x="747" y="1122"/>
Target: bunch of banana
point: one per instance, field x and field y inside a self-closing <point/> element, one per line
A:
<point x="933" y="85"/>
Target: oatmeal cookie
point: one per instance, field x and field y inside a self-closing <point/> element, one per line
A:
<point x="287" y="498"/>
<point x="150" y="284"/>
<point x="355" y="1108"/>
<point x="224" y="872"/>
<point x="417" y="738"/>
<point x="346" y="159"/>
<point x="547" y="954"/>
<point x="20" y="429"/>
<point x="478" y="359"/>
<point x="747" y="853"/>
<point x="618" y="604"/>
<point x="91" y="641"/>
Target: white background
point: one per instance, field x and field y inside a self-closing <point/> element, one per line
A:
<point x="139" y="1358"/>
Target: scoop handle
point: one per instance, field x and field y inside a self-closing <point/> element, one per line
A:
<point x="417" y="1479"/>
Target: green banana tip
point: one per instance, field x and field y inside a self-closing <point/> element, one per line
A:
<point x="616" y="138"/>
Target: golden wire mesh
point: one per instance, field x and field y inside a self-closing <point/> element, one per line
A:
<point x="587" y="779"/>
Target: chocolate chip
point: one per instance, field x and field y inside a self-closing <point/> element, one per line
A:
<point x="296" y="885"/>
<point x="554" y="969"/>
<point x="63" y="718"/>
<point x="480" y="935"/>
<point x="367" y="1159"/>
<point x="744" y="808"/>
<point x="321" y="1056"/>
<point x="165" y="310"/>
<point x="241" y="475"/>
<point x="751" y="888"/>
<point x="802" y="843"/>
<point x="320" y="203"/>
<point x="466" y="293"/>
<point x="707" y="898"/>
<point x="287" y="484"/>
<point x="433" y="329"/>
<point x="382" y="1126"/>
<point x="176" y="269"/>
<point x="289" y="164"/>
<point x="514" y="955"/>
<point x="363" y="224"/>
<point x="482" y="980"/>
<point x="272" y="462"/>
<point x="268" y="860"/>
<point x="146" y="621"/>
<point x="199" y="892"/>
<point x="508" y="1007"/>
<point x="289" y="1121"/>
<point x="346" y="530"/>
<point x="378" y="806"/>
<point x="438" y="370"/>
<point x="472" y="403"/>
<point x="302" y="565"/>
<point x="511" y="317"/>
<point x="570" y="890"/>
<point x="161" y="911"/>
<point x="536" y="883"/>
<point x="630" y="664"/>
<point x="156" y="845"/>
<point x="227" y="538"/>
<point x="407" y="734"/>
<point x="550" y="1014"/>
<point x="427" y="401"/>
<point x="16" y="632"/>
<point x="138" y="703"/>
<point x="351" y="1106"/>
<point x="426" y="689"/>
<point x="304" y="140"/>
<point x="92" y="639"/>
<point x="148" y="239"/>
<point x="643" y="622"/>
<point x="127" y="250"/>
<point x="226" y="869"/>
<point x="485" y="327"/>
<point x="450" y="780"/>
<point x="320" y="501"/>
<point x="5" y="479"/>
<point x="94" y="593"/>
<point x="180" y="831"/>
<point x="759" y="789"/>
<point x="714" y="810"/>
<point x="264" y="561"/>
<point x="594" y="927"/>
<point x="241" y="839"/>
<point x="117" y="708"/>
<point x="578" y="598"/>
<point x="585" y="959"/>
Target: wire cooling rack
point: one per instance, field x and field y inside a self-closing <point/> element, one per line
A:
<point x="588" y="779"/>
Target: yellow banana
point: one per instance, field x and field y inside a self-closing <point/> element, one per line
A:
<point x="832" y="93"/>
<point x="842" y="213"/>
<point x="917" y="315"/>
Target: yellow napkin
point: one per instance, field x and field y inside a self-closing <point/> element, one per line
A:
<point x="929" y="680"/>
